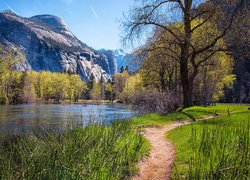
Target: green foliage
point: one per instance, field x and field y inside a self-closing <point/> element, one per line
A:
<point x="108" y="91"/>
<point x="213" y="77"/>
<point x="157" y="119"/>
<point x="119" y="83"/>
<point x="95" y="92"/>
<point x="28" y="87"/>
<point x="208" y="73"/>
<point x="11" y="86"/>
<point x="76" y="87"/>
<point x="4" y="99"/>
<point x="90" y="153"/>
<point x="10" y="81"/>
<point x="53" y="86"/>
<point x="133" y="85"/>
<point x="158" y="71"/>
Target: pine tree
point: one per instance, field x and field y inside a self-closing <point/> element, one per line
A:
<point x="122" y="69"/>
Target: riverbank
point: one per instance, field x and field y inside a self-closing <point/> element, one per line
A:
<point x="81" y="101"/>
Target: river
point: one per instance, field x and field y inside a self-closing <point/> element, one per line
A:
<point x="33" y="117"/>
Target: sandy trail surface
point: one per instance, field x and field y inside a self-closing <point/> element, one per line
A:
<point x="159" y="164"/>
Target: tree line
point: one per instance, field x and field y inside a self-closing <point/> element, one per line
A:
<point x="30" y="87"/>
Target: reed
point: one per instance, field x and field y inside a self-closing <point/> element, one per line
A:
<point x="213" y="149"/>
<point x="220" y="152"/>
<point x="94" y="152"/>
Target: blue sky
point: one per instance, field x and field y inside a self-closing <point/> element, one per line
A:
<point x="94" y="22"/>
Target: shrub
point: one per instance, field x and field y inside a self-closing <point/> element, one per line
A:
<point x="155" y="102"/>
<point x="4" y="99"/>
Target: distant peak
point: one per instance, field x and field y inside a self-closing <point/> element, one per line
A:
<point x="51" y="20"/>
<point x="120" y="52"/>
<point x="9" y="12"/>
<point x="45" y="16"/>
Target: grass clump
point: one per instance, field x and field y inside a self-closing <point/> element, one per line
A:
<point x="220" y="153"/>
<point x="90" y="153"/>
<point x="214" y="149"/>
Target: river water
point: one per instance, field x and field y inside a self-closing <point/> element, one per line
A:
<point x="33" y="117"/>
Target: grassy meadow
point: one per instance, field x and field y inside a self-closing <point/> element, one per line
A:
<point x="196" y="112"/>
<point x="214" y="149"/>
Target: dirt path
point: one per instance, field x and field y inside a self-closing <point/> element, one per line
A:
<point x="159" y="164"/>
<point x="160" y="161"/>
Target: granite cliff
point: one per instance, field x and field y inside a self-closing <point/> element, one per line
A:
<point x="47" y="44"/>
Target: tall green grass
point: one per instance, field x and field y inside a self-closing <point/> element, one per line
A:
<point x="90" y="153"/>
<point x="214" y="149"/>
<point x="220" y="153"/>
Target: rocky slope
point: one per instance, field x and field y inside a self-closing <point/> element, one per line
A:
<point x="47" y="44"/>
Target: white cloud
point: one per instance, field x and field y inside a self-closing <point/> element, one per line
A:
<point x="94" y="12"/>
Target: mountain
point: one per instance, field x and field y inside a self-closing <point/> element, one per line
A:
<point x="47" y="44"/>
<point x="124" y="59"/>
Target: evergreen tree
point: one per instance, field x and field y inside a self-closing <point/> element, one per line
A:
<point x="126" y="69"/>
<point x="91" y="81"/>
<point x="122" y="69"/>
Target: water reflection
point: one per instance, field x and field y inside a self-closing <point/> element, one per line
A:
<point x="20" y="118"/>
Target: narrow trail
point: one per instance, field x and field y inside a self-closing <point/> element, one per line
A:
<point x="159" y="164"/>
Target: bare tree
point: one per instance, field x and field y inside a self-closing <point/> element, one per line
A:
<point x="182" y="20"/>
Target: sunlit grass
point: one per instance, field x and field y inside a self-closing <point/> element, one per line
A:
<point x="196" y="112"/>
<point x="90" y="153"/>
<point x="214" y="149"/>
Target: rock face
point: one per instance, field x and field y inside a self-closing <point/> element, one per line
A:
<point x="111" y="61"/>
<point x="47" y="44"/>
<point x="124" y="59"/>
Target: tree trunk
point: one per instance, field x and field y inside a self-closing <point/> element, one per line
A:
<point x="185" y="83"/>
<point x="190" y="95"/>
<point x="205" y="93"/>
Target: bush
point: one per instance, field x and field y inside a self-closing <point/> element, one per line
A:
<point x="155" y="102"/>
<point x="4" y="99"/>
